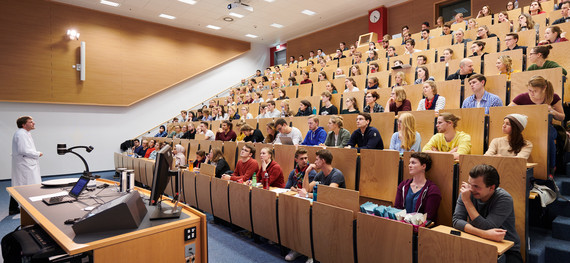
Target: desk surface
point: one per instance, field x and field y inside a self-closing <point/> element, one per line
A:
<point x="502" y="246"/>
<point x="52" y="221"/>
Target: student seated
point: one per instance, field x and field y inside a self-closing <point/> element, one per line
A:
<point x="535" y="8"/>
<point x="505" y="66"/>
<point x="397" y="101"/>
<point x="372" y="83"/>
<point x="526" y="23"/>
<point x="251" y="134"/>
<point x="371" y="105"/>
<point x="161" y="132"/>
<point x="305" y="109"/>
<point x="565" y="9"/>
<point x="245" y="166"/>
<point x="226" y="132"/>
<point x="486" y="210"/>
<point x="328" y="175"/>
<point x="410" y="47"/>
<point x="200" y="158"/>
<point x="460" y="37"/>
<point x="189" y="132"/>
<point x="151" y="148"/>
<point x="179" y="156"/>
<point x="365" y="136"/>
<point x="271" y="168"/>
<point x="286" y="109"/>
<point x="176" y="133"/>
<point x="355" y="71"/>
<point x="216" y="158"/>
<point x="285" y="130"/>
<point x="271" y="133"/>
<point x="282" y="94"/>
<point x="542" y="92"/>
<point x="316" y="134"/>
<point x="350" y="106"/>
<point x="513" y="143"/>
<point x="328" y="108"/>
<point x="481" y="98"/>
<point x="431" y="100"/>
<point x="423" y="75"/>
<point x="331" y="88"/>
<point x="418" y="194"/>
<point x="399" y="79"/>
<point x="477" y="48"/>
<point x="465" y="70"/>
<point x="483" y="33"/>
<point x="296" y="176"/>
<point x="338" y="136"/>
<point x="406" y="139"/>
<point x="538" y="56"/>
<point x="350" y="85"/>
<point x="447" y="139"/>
<point x="511" y="41"/>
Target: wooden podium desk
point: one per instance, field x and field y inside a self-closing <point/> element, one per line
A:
<point x="152" y="241"/>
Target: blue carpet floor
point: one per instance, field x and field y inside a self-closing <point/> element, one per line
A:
<point x="224" y="245"/>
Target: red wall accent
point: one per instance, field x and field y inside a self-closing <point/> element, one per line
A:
<point x="273" y="50"/>
<point x="380" y="27"/>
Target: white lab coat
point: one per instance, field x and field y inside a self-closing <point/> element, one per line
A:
<point x="25" y="163"/>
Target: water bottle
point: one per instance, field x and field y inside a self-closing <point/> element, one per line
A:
<point x="516" y="3"/>
<point x="266" y="181"/>
<point x="254" y="180"/>
<point x="314" y="110"/>
<point x="315" y="192"/>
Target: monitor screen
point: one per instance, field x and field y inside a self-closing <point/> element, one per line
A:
<point x="162" y="173"/>
<point x="79" y="186"/>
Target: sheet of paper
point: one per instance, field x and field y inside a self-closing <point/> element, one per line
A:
<point x="41" y="197"/>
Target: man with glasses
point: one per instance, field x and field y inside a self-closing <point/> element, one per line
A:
<point x="287" y="131"/>
<point x="365" y="136"/>
<point x="245" y="167"/>
<point x="511" y="40"/>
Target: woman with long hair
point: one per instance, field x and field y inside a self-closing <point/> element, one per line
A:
<point x="271" y="132"/>
<point x="541" y="91"/>
<point x="271" y="168"/>
<point x="423" y="75"/>
<point x="552" y="34"/>
<point x="216" y="158"/>
<point x="305" y="108"/>
<point x="513" y="143"/>
<point x="526" y="23"/>
<point x="337" y="136"/>
<point x="406" y="139"/>
<point x="535" y="8"/>
<point x="350" y="106"/>
<point x="330" y="87"/>
<point x="398" y="101"/>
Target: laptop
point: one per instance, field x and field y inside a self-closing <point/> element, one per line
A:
<point x="286" y="140"/>
<point x="72" y="195"/>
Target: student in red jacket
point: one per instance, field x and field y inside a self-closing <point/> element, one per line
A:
<point x="271" y="167"/>
<point x="245" y="167"/>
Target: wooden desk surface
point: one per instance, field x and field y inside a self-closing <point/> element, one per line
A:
<point x="69" y="246"/>
<point x="502" y="246"/>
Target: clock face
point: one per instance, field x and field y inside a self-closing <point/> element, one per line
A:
<point x="374" y="16"/>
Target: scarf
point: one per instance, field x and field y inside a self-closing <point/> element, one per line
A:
<point x="430" y="104"/>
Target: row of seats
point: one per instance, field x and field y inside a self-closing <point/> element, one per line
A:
<point x="234" y="202"/>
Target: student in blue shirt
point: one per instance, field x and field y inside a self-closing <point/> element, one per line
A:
<point x="316" y="135"/>
<point x="481" y="98"/>
<point x="161" y="132"/>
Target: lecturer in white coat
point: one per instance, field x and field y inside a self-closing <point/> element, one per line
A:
<point x="25" y="163"/>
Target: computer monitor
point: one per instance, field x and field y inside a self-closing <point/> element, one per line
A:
<point x="161" y="178"/>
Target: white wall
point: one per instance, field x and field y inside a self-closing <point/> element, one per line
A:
<point x="105" y="128"/>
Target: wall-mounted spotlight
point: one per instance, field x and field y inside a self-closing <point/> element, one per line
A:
<point x="73" y="34"/>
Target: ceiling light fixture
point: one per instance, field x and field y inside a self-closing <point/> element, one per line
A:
<point x="190" y="2"/>
<point x="73" y="34"/>
<point x="276" y="25"/>
<point x="308" y="12"/>
<point x="105" y="2"/>
<point x="250" y="35"/>
<point x="236" y="15"/>
<point x="213" y="27"/>
<point x="167" y="16"/>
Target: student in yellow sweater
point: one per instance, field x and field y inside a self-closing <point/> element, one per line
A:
<point x="447" y="139"/>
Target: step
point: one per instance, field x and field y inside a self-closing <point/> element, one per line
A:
<point x="557" y="251"/>
<point x="536" y="255"/>
<point x="565" y="188"/>
<point x="561" y="228"/>
<point x="561" y="207"/>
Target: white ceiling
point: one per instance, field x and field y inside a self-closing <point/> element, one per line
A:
<point x="211" y="12"/>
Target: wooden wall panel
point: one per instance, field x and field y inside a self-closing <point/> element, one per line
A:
<point x="329" y="38"/>
<point x="128" y="60"/>
<point x="21" y="73"/>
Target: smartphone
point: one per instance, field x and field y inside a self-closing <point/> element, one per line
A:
<point x="457" y="233"/>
